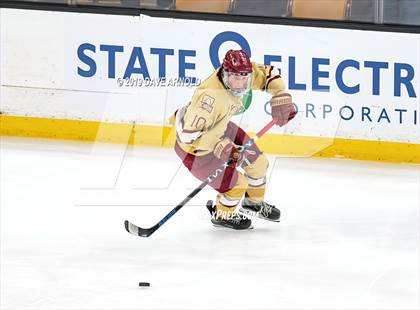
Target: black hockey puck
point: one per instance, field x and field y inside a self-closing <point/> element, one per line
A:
<point x="144" y="284"/>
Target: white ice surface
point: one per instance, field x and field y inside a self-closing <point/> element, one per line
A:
<point x="348" y="239"/>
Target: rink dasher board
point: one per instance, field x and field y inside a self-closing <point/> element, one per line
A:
<point x="356" y="93"/>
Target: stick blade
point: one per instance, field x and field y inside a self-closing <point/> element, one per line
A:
<point x="138" y="231"/>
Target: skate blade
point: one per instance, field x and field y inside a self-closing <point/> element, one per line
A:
<point x="229" y="228"/>
<point x="256" y="214"/>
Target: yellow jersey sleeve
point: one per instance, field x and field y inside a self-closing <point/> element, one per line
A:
<point x="266" y="78"/>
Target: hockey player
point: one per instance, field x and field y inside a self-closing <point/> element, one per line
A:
<point x="206" y="138"/>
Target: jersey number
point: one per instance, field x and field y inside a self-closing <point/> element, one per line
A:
<point x="198" y="122"/>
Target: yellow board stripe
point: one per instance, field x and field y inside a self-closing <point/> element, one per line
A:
<point x="164" y="136"/>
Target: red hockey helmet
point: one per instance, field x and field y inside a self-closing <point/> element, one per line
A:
<point x="237" y="72"/>
<point x="237" y="62"/>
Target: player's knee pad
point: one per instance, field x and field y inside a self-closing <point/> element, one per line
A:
<point x="257" y="170"/>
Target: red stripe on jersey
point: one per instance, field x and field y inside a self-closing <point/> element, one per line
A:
<point x="269" y="72"/>
<point x="272" y="79"/>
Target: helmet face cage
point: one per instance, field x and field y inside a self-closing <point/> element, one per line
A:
<point x="237" y="83"/>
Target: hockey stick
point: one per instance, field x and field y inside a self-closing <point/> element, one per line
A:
<point x="146" y="232"/>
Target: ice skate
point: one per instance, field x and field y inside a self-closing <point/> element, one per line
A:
<point x="234" y="221"/>
<point x="262" y="210"/>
